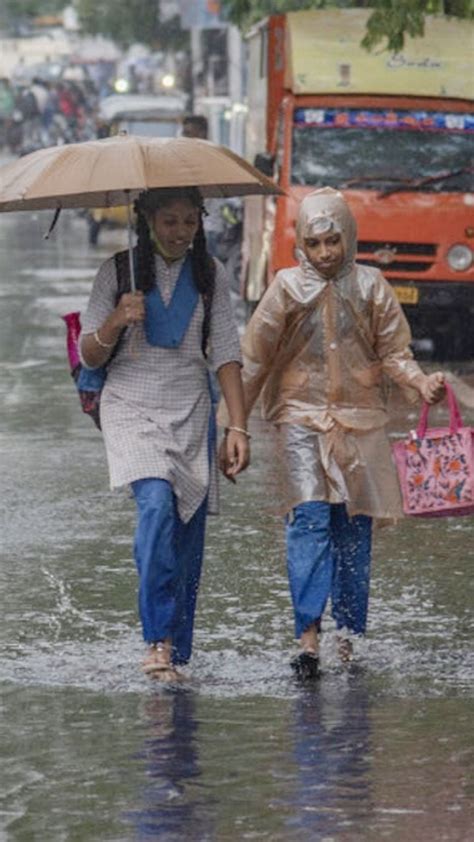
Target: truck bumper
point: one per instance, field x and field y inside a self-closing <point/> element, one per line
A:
<point x="434" y="294"/>
<point x="441" y="317"/>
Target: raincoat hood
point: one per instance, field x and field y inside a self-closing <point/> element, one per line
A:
<point x="322" y="211"/>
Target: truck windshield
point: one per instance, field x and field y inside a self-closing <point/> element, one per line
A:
<point x="375" y="149"/>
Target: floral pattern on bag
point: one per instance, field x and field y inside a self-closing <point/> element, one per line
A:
<point x="437" y="473"/>
<point x="436" y="466"/>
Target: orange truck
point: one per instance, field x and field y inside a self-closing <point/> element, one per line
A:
<point x="393" y="132"/>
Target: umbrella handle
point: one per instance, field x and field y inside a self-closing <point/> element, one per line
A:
<point x="53" y="224"/>
<point x="133" y="284"/>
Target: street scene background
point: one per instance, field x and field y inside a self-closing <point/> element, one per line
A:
<point x="381" y="749"/>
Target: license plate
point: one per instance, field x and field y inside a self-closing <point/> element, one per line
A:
<point x="407" y="295"/>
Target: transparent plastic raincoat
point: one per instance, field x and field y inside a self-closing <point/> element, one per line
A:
<point x="318" y="351"/>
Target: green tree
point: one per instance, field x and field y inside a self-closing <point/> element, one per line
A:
<point x="130" y="21"/>
<point x="125" y="21"/>
<point x="16" y="11"/>
<point x="392" y="20"/>
<point x="389" y="23"/>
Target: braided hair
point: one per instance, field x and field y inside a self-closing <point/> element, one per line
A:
<point x="203" y="265"/>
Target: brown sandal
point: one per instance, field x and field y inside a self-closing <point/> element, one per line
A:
<point x="158" y="660"/>
<point x="345" y="650"/>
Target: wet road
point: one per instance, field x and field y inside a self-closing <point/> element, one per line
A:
<point x="91" y="751"/>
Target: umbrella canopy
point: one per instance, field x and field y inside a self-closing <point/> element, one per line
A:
<point x="113" y="171"/>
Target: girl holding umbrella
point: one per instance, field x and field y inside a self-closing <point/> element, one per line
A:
<point x="156" y="410"/>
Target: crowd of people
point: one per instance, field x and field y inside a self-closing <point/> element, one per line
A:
<point x="46" y="113"/>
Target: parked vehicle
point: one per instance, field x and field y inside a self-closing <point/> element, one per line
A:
<point x="143" y="114"/>
<point x="140" y="114"/>
<point x="394" y="132"/>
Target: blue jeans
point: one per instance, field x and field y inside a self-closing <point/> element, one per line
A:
<point x="168" y="555"/>
<point x="328" y="555"/>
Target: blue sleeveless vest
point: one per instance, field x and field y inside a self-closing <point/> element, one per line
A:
<point x="165" y="326"/>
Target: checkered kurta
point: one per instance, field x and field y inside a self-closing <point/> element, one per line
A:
<point x="155" y="406"/>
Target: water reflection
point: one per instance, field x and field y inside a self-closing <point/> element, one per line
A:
<point x="330" y="791"/>
<point x="172" y="808"/>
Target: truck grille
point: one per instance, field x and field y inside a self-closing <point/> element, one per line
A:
<point x="397" y="257"/>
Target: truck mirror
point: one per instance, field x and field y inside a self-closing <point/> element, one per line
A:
<point x="265" y="163"/>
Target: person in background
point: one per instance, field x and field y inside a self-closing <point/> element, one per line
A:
<point x="223" y="220"/>
<point x="195" y="125"/>
<point x="40" y="90"/>
<point x="318" y="348"/>
<point x="156" y="413"/>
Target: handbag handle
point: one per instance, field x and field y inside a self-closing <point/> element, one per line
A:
<point x="455" y="420"/>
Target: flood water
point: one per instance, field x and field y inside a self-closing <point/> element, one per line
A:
<point x="91" y="750"/>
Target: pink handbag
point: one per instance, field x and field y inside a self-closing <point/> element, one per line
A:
<point x="436" y="466"/>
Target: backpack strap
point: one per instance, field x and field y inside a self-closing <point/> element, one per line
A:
<point x="122" y="270"/>
<point x="206" y="325"/>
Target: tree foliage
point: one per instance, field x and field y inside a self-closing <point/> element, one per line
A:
<point x="131" y="21"/>
<point x="125" y="21"/>
<point x="389" y="23"/>
<point x="392" y="20"/>
<point x="17" y="11"/>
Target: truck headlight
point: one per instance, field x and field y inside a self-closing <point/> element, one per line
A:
<point x="460" y="258"/>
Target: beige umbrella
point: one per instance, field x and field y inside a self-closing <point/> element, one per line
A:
<point x="113" y="171"/>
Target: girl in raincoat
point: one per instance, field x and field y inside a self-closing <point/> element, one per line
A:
<point x="317" y="349"/>
<point x="156" y="410"/>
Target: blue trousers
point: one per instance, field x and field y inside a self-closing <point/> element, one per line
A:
<point x="168" y="555"/>
<point x="328" y="555"/>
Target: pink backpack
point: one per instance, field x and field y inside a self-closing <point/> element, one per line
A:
<point x="436" y="466"/>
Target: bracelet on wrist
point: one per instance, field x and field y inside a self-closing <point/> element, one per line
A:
<point x="107" y="345"/>
<point x="238" y="430"/>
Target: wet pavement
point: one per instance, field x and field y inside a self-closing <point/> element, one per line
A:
<point x="90" y="749"/>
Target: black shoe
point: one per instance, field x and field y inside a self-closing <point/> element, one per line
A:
<point x="306" y="666"/>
